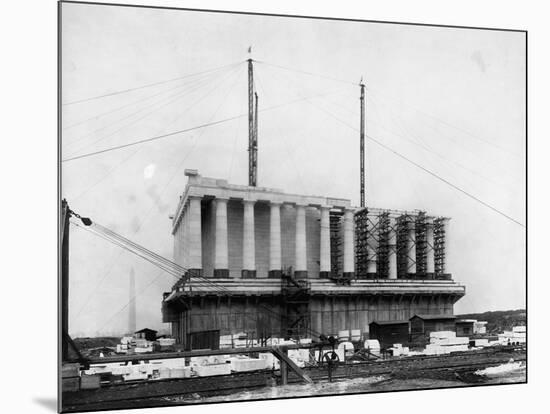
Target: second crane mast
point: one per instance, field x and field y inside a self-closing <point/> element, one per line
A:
<point x="252" y="130"/>
<point x="362" y="146"/>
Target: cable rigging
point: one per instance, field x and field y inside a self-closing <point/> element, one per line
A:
<point x="307" y="73"/>
<point x="138" y="101"/>
<point x="441" y="121"/>
<point x="438" y="177"/>
<point x="151" y="209"/>
<point x="142" y="141"/>
<point x="157" y="260"/>
<point x="448" y="124"/>
<point x="147" y="85"/>
<point x="433" y="174"/>
<point x="193" y="105"/>
<point x="417" y="141"/>
<point x="165" y="102"/>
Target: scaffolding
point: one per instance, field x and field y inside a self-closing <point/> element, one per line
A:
<point x="361" y="244"/>
<point x="439" y="247"/>
<point x="403" y="246"/>
<point x="372" y="245"/>
<point x="421" y="240"/>
<point x="295" y="301"/>
<point x="383" y="250"/>
<point x="377" y="230"/>
<point x="336" y="267"/>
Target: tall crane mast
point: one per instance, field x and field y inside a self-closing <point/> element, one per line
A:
<point x="362" y="145"/>
<point x="252" y="130"/>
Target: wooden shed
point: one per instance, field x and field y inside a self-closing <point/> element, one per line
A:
<point x="465" y="327"/>
<point x="148" y="334"/>
<point x="422" y="325"/>
<point x="389" y="332"/>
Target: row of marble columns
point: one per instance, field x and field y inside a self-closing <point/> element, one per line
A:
<point x="411" y="253"/>
<point x="221" y="253"/>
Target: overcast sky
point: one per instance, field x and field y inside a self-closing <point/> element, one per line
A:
<point x="450" y="100"/>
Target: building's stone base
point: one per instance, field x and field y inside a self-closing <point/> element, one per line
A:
<point x="324" y="275"/>
<point x="248" y="274"/>
<point x="426" y="276"/>
<point x="408" y="276"/>
<point x="327" y="314"/>
<point x="300" y="274"/>
<point x="221" y="273"/>
<point x="274" y="274"/>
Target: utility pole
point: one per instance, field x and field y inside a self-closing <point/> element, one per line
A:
<point x="66" y="341"/>
<point x="252" y="148"/>
<point x="255" y="143"/>
<point x="64" y="297"/>
<point x="362" y="144"/>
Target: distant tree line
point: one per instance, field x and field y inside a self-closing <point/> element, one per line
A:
<point x="498" y="321"/>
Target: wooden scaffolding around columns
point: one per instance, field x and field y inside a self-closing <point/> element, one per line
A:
<point x="361" y="244"/>
<point x="421" y="240"/>
<point x="336" y="265"/>
<point x="402" y="246"/>
<point x="383" y="251"/>
<point x="366" y="244"/>
<point x="439" y="247"/>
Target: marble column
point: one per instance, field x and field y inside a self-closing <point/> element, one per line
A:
<point x="275" y="240"/>
<point x="324" y="258"/>
<point x="349" y="257"/>
<point x="300" y="268"/>
<point x="221" y="254"/>
<point x="371" y="260"/>
<point x="249" y="250"/>
<point x="193" y="225"/>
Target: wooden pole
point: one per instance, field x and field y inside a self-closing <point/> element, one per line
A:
<point x="65" y="216"/>
<point x="66" y="341"/>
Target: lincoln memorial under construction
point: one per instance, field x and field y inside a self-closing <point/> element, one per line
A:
<point x="273" y="264"/>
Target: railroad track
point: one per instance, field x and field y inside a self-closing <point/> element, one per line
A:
<point x="125" y="395"/>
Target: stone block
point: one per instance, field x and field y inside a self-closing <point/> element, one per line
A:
<point x="248" y="364"/>
<point x="89" y="382"/>
<point x="212" y="370"/>
<point x="182" y="372"/>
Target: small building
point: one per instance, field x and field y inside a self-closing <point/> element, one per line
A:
<point x="465" y="327"/>
<point x="148" y="334"/>
<point x="480" y="327"/>
<point x="389" y="332"/>
<point x="422" y="325"/>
